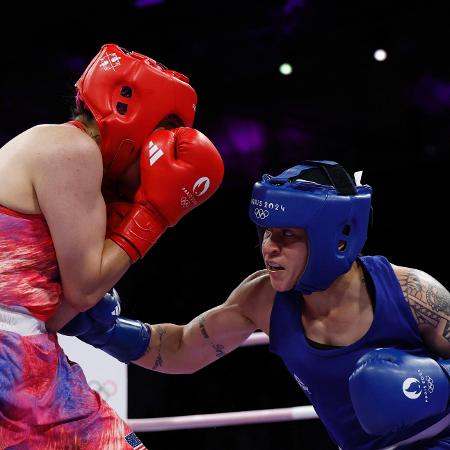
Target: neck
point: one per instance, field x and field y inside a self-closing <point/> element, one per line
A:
<point x="345" y="290"/>
<point x="91" y="128"/>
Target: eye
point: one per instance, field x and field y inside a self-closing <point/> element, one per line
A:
<point x="288" y="233"/>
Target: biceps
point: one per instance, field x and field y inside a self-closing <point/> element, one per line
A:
<point x="78" y="233"/>
<point x="75" y="213"/>
<point x="217" y="332"/>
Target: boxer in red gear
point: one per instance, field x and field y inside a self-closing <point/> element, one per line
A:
<point x="55" y="258"/>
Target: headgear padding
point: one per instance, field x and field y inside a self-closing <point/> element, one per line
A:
<point x="328" y="205"/>
<point x="129" y="94"/>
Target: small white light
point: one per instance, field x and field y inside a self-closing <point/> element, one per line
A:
<point x="380" y="54"/>
<point x="285" y="69"/>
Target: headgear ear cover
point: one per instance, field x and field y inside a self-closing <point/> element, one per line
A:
<point x="321" y="198"/>
<point x="129" y="94"/>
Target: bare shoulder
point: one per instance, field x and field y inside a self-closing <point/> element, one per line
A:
<point x="429" y="301"/>
<point x="258" y="283"/>
<point x="255" y="296"/>
<point x="421" y="290"/>
<point x="256" y="277"/>
<point x="63" y="142"/>
<point x="42" y="155"/>
<point x="59" y="150"/>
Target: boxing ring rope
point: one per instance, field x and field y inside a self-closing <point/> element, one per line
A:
<point x="223" y="419"/>
<point x="256" y="339"/>
<point x="228" y="418"/>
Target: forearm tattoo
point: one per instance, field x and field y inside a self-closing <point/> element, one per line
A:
<point x="219" y="349"/>
<point x="428" y="299"/>
<point x="159" y="360"/>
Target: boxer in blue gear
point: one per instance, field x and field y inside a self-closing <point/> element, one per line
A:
<point x="365" y="339"/>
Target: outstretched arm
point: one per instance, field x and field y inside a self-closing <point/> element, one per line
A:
<point x="430" y="304"/>
<point x="213" y="334"/>
<point x="188" y="348"/>
<point x="171" y="348"/>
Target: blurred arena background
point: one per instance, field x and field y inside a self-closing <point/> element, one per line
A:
<point x="386" y="112"/>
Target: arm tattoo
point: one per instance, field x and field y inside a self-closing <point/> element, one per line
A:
<point x="218" y="348"/>
<point x="159" y="361"/>
<point x="428" y="299"/>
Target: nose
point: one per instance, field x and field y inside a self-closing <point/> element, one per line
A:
<point x="270" y="245"/>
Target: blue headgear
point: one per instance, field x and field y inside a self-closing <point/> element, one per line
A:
<point x="321" y="198"/>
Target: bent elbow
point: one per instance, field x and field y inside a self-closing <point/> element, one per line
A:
<point x="81" y="302"/>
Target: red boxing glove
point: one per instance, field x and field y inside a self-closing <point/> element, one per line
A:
<point x="180" y="169"/>
<point x="115" y="214"/>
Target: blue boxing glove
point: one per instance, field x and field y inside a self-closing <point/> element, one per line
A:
<point x="105" y="312"/>
<point x="101" y="327"/>
<point x="392" y="389"/>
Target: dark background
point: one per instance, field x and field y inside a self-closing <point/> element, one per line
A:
<point x="389" y="118"/>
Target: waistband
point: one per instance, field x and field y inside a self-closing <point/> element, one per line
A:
<point x="20" y="322"/>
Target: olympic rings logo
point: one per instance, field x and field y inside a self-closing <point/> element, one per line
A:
<point x="184" y="202"/>
<point x="430" y="384"/>
<point x="261" y="213"/>
<point x="106" y="389"/>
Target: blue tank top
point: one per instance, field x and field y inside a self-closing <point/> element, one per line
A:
<point x="323" y="373"/>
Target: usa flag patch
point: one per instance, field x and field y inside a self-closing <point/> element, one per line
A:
<point x="134" y="441"/>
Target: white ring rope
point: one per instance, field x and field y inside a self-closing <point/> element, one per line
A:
<point x="223" y="419"/>
<point x="258" y="338"/>
<point x="228" y="418"/>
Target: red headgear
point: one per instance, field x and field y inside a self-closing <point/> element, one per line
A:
<point x="129" y="94"/>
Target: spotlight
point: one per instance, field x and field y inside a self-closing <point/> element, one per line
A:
<point x="285" y="69"/>
<point x="380" y="54"/>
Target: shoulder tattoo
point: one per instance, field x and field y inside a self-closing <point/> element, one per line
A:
<point x="219" y="349"/>
<point x="428" y="299"/>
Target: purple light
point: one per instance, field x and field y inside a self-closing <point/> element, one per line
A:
<point x="241" y="142"/>
<point x="247" y="136"/>
<point x="243" y="136"/>
<point x="431" y="94"/>
<point x="292" y="5"/>
<point x="147" y="3"/>
<point x="75" y="64"/>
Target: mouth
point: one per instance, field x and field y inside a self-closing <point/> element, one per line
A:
<point x="273" y="266"/>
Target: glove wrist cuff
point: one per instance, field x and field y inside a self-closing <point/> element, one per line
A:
<point x="126" y="246"/>
<point x="139" y="231"/>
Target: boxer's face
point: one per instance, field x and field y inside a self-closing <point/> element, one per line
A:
<point x="285" y="251"/>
